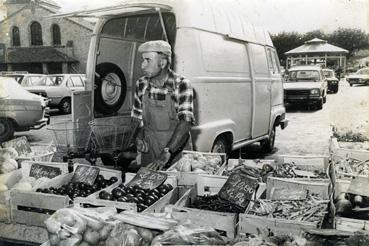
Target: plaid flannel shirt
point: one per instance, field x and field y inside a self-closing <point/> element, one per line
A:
<point x="182" y="96"/>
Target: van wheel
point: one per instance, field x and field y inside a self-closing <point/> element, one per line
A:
<point x="65" y="106"/>
<point x="110" y="88"/>
<point x="267" y="145"/>
<point x="220" y="146"/>
<point x="6" y="129"/>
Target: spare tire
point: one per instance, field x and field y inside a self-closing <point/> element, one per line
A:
<point x="110" y="88"/>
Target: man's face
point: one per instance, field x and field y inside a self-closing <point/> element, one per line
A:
<point x="151" y="64"/>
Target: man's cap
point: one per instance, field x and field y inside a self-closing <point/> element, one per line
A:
<point x="156" y="46"/>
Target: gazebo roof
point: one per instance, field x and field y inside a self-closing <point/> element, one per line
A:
<point x="316" y="45"/>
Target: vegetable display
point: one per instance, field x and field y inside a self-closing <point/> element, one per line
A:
<point x="75" y="189"/>
<point x="7" y="160"/>
<point x="197" y="162"/>
<point x="79" y="226"/>
<point x="135" y="194"/>
<point x="285" y="170"/>
<point x="352" y="166"/>
<point x="215" y="203"/>
<point x="312" y="210"/>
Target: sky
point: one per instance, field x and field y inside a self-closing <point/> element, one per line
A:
<point x="283" y="15"/>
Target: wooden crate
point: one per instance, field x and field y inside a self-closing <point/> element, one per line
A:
<point x="170" y="198"/>
<point x="338" y="152"/>
<point x="306" y="163"/>
<point x="46" y="153"/>
<point x="351" y="225"/>
<point x="221" y="221"/>
<point x="46" y="204"/>
<point x="9" y="179"/>
<point x="256" y="224"/>
<point x="279" y="188"/>
<point x="253" y="163"/>
<point x="14" y="177"/>
<point x="189" y="178"/>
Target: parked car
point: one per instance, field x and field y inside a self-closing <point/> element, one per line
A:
<point x="305" y="84"/>
<point x="360" y="77"/>
<point x="20" y="110"/>
<point x="332" y="80"/>
<point x="25" y="79"/>
<point x="58" y="88"/>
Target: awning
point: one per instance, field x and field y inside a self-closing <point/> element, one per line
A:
<point x="37" y="55"/>
<point x="316" y="46"/>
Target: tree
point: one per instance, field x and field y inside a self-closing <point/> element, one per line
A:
<point x="313" y="34"/>
<point x="286" y="41"/>
<point x="350" y="39"/>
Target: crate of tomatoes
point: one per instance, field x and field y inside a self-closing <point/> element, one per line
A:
<point x="135" y="197"/>
<point x="34" y="207"/>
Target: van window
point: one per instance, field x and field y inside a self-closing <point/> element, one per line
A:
<point x="270" y="62"/>
<point x="259" y="59"/>
<point x="273" y="62"/>
<point x="77" y="81"/>
<point x="223" y="56"/>
<point x="277" y="68"/>
<point x="141" y="28"/>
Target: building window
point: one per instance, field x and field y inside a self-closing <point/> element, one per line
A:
<point x="36" y="34"/>
<point x="15" y="36"/>
<point x="56" y="35"/>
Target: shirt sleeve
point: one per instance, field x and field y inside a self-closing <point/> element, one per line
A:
<point x="137" y="103"/>
<point x="185" y="101"/>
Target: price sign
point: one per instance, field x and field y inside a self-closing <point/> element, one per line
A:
<point x="148" y="179"/>
<point x="21" y="145"/>
<point x="238" y="189"/>
<point x="85" y="174"/>
<point x="37" y="171"/>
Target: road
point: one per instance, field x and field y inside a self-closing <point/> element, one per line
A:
<point x="308" y="132"/>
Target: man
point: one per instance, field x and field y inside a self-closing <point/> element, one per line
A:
<point x="163" y="107"/>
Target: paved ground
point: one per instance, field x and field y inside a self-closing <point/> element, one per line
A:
<point x="308" y="131"/>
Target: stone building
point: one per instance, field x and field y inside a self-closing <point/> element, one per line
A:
<point x="31" y="41"/>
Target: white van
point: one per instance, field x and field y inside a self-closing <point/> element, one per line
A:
<point x="232" y="65"/>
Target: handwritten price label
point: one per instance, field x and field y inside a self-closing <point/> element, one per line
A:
<point x="238" y="189"/>
<point x="148" y="179"/>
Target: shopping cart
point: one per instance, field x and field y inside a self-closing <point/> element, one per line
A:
<point x="110" y="139"/>
<point x="71" y="138"/>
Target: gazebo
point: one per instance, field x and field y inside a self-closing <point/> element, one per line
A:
<point x="317" y="51"/>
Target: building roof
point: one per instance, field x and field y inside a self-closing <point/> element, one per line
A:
<point x="37" y="54"/>
<point x="316" y="45"/>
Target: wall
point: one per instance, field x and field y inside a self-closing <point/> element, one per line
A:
<point x="69" y="31"/>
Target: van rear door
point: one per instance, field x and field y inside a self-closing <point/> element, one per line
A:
<point x="262" y="90"/>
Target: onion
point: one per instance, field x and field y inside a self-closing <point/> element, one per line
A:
<point x="358" y="201"/>
<point x="343" y="206"/>
<point x="91" y="236"/>
<point x="146" y="234"/>
<point x="131" y="238"/>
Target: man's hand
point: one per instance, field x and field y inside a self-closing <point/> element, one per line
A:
<point x="142" y="146"/>
<point x="160" y="162"/>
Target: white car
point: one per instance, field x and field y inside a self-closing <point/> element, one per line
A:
<point x="58" y="88"/>
<point x="307" y="85"/>
<point x="360" y="77"/>
<point x="20" y="110"/>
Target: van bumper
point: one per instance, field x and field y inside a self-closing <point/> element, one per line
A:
<point x="283" y="123"/>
